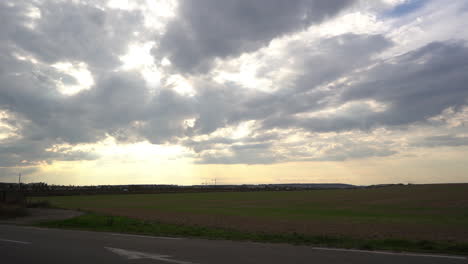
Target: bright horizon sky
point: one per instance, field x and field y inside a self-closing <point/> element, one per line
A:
<point x="183" y="92"/>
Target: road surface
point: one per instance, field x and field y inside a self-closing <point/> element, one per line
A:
<point x="20" y="244"/>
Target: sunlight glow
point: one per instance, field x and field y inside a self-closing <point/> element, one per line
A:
<point x="181" y="85"/>
<point x="156" y="12"/>
<point x="138" y="57"/>
<point x="33" y="14"/>
<point x="79" y="71"/>
<point x="7" y="129"/>
<point x="350" y="108"/>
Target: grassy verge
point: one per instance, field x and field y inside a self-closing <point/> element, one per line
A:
<point x="97" y="222"/>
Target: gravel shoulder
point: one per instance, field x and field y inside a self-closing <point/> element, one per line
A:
<point x="37" y="215"/>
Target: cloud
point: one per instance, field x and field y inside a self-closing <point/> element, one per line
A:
<point x="164" y="120"/>
<point x="209" y="29"/>
<point x="417" y="85"/>
<point x="409" y="88"/>
<point x="442" y="141"/>
<point x="260" y="153"/>
<point x="68" y="31"/>
<point x="325" y="98"/>
<point x="315" y="64"/>
<point x="26" y="152"/>
<point x="316" y="67"/>
<point x="199" y="146"/>
<point x="296" y="145"/>
<point x="394" y="93"/>
<point x="33" y="37"/>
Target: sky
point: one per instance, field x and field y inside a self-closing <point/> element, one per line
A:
<point x="245" y="92"/>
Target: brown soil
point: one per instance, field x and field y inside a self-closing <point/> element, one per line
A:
<point x="314" y="227"/>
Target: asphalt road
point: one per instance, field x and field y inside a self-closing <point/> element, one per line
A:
<point x="19" y="244"/>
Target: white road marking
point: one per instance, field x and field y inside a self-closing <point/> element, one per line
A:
<point x="129" y="235"/>
<point x="141" y="255"/>
<point x="391" y="253"/>
<point x="14" y="241"/>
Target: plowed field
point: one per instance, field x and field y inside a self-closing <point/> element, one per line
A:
<point x="432" y="212"/>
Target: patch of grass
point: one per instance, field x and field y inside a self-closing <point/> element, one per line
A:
<point x="437" y="205"/>
<point x="417" y="213"/>
<point x="97" y="222"/>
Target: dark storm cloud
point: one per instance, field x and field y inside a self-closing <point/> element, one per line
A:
<point x="208" y="29"/>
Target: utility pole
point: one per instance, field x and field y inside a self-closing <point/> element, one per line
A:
<point x="19" y="181"/>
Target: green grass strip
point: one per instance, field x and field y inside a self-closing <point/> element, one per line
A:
<point x="120" y="224"/>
